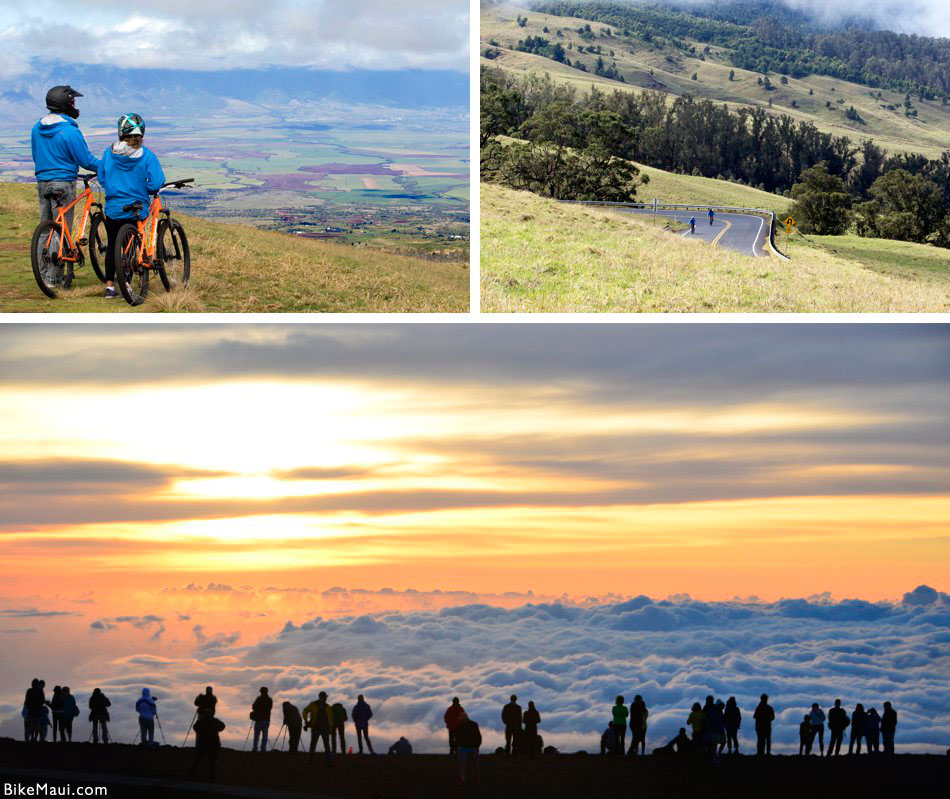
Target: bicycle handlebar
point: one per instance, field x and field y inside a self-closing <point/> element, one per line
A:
<point x="178" y="184"/>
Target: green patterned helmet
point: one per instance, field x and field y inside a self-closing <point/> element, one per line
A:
<point x="131" y="125"/>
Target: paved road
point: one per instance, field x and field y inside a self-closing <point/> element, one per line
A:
<point x="744" y="233"/>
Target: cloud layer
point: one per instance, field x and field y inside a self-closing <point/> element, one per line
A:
<point x="571" y="660"/>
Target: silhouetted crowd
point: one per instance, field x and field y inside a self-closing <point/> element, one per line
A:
<point x="714" y="727"/>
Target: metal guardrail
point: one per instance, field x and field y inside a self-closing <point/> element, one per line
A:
<point x="697" y="207"/>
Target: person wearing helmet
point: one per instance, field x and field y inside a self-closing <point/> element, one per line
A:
<point x="59" y="149"/>
<point x="129" y="173"/>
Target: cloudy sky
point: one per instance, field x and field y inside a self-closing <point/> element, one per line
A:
<point x="233" y="504"/>
<point x="236" y="34"/>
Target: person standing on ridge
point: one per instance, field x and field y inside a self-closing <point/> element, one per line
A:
<point x="260" y="714"/>
<point x="70" y="711"/>
<point x="294" y="725"/>
<point x="207" y="741"/>
<point x="619" y="713"/>
<point x="837" y="723"/>
<point x="733" y="720"/>
<point x="56" y="706"/>
<point x="339" y="725"/>
<point x="318" y="717"/>
<point x="511" y="717"/>
<point x="361" y="715"/>
<point x="816" y="719"/>
<point x="872" y="731"/>
<point x="531" y="719"/>
<point x="764" y="715"/>
<point x="99" y="715"/>
<point x="858" y="720"/>
<point x="804" y="736"/>
<point x="888" y="728"/>
<point x="469" y="739"/>
<point x="451" y="719"/>
<point x="697" y="721"/>
<point x="145" y="707"/>
<point x="638" y="725"/>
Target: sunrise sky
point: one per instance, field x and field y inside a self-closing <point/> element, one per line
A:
<point x="194" y="486"/>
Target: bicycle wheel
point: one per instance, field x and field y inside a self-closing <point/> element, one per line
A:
<point x="50" y="273"/>
<point x="97" y="245"/>
<point x="130" y="274"/>
<point x="173" y="254"/>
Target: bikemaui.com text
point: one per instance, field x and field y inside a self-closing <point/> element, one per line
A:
<point x="44" y="789"/>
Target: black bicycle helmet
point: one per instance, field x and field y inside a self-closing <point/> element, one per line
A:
<point x="61" y="99"/>
<point x="131" y="125"/>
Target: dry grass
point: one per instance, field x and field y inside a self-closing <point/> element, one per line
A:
<point x="239" y="269"/>
<point x="542" y="256"/>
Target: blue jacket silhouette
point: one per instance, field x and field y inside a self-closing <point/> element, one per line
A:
<point x="127" y="175"/>
<point x="59" y="149"/>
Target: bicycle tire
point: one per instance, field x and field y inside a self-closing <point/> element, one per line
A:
<point x="174" y="254"/>
<point x="98" y="245"/>
<point x="42" y="247"/>
<point x="129" y="274"/>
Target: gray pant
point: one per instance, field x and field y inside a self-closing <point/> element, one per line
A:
<point x="65" y="193"/>
<point x="62" y="192"/>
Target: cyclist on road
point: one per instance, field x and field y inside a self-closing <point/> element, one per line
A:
<point x="129" y="173"/>
<point x="692" y="225"/>
<point x="712" y="216"/>
<point x="59" y="149"/>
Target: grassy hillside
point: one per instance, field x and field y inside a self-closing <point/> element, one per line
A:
<point x="538" y="255"/>
<point x="668" y="187"/>
<point x="649" y="65"/>
<point x="238" y="269"/>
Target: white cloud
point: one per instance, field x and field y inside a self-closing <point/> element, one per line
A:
<point x="366" y="34"/>
<point x="571" y="660"/>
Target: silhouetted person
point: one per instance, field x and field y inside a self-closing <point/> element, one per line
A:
<point x="531" y="719"/>
<point x="260" y="713"/>
<point x="732" y="717"/>
<point x="816" y="718"/>
<point x="872" y="731"/>
<point x="99" y="716"/>
<point x="206" y="701"/>
<point x="401" y="747"/>
<point x="294" y="725"/>
<point x="527" y="743"/>
<point x="680" y="744"/>
<point x="715" y="727"/>
<point x="56" y="706"/>
<point x="451" y="719"/>
<point x="858" y="720"/>
<point x="319" y="718"/>
<point x="33" y="702"/>
<point x="697" y="722"/>
<point x="145" y="707"/>
<point x="44" y="722"/>
<point x="888" y="728"/>
<point x="764" y="715"/>
<point x="837" y="723"/>
<point x="70" y="711"/>
<point x="804" y="737"/>
<point x="469" y="739"/>
<point x="638" y="725"/>
<point x="620" y="713"/>
<point x="361" y="714"/>
<point x="339" y="725"/>
<point x="511" y="718"/>
<point x="608" y="740"/>
<point x="207" y="741"/>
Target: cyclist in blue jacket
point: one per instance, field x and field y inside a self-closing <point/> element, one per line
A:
<point x="59" y="149"/>
<point x="129" y="173"/>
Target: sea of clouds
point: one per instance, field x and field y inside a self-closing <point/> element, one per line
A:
<point x="572" y="659"/>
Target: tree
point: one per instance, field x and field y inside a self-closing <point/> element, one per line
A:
<point x="732" y="74"/>
<point x="822" y="203"/>
<point x="905" y="207"/>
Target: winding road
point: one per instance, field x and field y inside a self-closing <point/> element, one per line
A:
<point x="744" y="233"/>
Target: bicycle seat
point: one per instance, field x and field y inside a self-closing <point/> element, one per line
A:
<point x="136" y="206"/>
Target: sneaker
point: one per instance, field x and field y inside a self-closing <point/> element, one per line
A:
<point x="110" y="293"/>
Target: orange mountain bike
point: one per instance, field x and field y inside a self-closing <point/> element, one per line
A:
<point x="56" y="253"/>
<point x="158" y="243"/>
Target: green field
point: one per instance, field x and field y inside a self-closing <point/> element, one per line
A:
<point x="240" y="269"/>
<point x="671" y="70"/>
<point x="538" y="255"/>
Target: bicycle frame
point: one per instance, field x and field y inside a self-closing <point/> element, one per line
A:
<point x="147" y="228"/>
<point x="65" y="237"/>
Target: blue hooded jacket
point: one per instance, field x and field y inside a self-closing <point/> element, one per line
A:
<point x="128" y="175"/>
<point x="59" y="149"/>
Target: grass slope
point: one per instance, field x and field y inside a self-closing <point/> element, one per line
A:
<point x="238" y="269"/>
<point x="538" y="255"/>
<point x="648" y="65"/>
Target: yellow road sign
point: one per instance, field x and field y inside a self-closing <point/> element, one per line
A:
<point x="789" y="222"/>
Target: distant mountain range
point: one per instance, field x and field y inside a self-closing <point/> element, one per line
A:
<point x="104" y="88"/>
